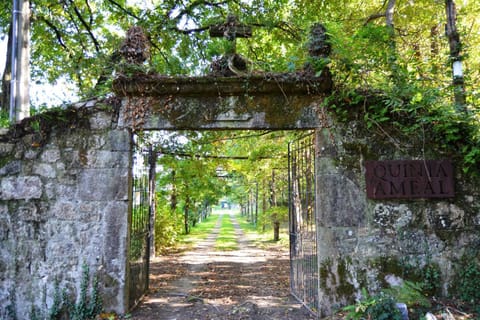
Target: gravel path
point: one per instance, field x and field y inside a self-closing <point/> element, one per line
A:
<point x="207" y="284"/>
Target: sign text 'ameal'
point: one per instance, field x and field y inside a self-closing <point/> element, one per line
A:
<point x="409" y="179"/>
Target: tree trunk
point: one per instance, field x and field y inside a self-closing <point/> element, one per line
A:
<point x="7" y="75"/>
<point x="256" y="204"/>
<point x="273" y="204"/>
<point x="185" y="215"/>
<point x="434" y="48"/>
<point x="22" y="63"/>
<point x="389" y="13"/>
<point x="392" y="59"/>
<point x="455" y="48"/>
<point x="264" y="205"/>
<point x="173" y="195"/>
<point x="276" y="231"/>
<point x="151" y="185"/>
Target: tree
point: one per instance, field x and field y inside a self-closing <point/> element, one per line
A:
<point x="79" y="39"/>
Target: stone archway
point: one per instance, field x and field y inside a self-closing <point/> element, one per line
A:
<point x="276" y="102"/>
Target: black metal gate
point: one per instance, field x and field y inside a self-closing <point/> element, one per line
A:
<point x="141" y="224"/>
<point x="304" y="279"/>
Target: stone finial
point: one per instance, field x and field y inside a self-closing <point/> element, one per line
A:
<point x="231" y="29"/>
<point x="232" y="63"/>
<point x="319" y="49"/>
<point x="319" y="45"/>
<point x="135" y="48"/>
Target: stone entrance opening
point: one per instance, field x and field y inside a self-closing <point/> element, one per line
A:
<point x="273" y="102"/>
<point x="297" y="167"/>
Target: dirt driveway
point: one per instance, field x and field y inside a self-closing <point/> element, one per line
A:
<point x="204" y="284"/>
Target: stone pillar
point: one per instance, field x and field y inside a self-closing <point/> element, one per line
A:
<point x="340" y="210"/>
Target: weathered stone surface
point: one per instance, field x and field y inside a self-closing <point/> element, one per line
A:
<point x="250" y="85"/>
<point x="341" y="202"/>
<point x="29" y="187"/>
<point x="6" y="148"/>
<point x="30" y="212"/>
<point x="119" y="140"/>
<point x="11" y="168"/>
<point x="50" y="155"/>
<point x="4" y="223"/>
<point x="108" y="159"/>
<point x="103" y="184"/>
<point x="44" y="170"/>
<point x="101" y="120"/>
<point x="215" y="112"/>
<point x="446" y="216"/>
<point x="31" y="154"/>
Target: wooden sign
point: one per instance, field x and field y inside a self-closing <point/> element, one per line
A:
<point x="409" y="179"/>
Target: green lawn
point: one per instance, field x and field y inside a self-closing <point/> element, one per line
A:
<point x="262" y="239"/>
<point x="199" y="232"/>
<point x="226" y="240"/>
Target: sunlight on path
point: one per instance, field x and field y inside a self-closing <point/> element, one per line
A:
<point x="206" y="283"/>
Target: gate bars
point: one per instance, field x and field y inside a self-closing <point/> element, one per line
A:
<point x="304" y="280"/>
<point x="141" y="224"/>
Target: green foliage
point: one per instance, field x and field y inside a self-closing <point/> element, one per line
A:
<point x="88" y="306"/>
<point x="199" y="232"/>
<point x="168" y="227"/>
<point x="409" y="293"/>
<point x="378" y="307"/>
<point x="55" y="311"/>
<point x="431" y="280"/>
<point x="4" y="119"/>
<point x="226" y="239"/>
<point x="469" y="281"/>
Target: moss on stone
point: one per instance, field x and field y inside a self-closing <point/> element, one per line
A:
<point x="330" y="272"/>
<point x="4" y="160"/>
<point x="325" y="272"/>
<point x="345" y="288"/>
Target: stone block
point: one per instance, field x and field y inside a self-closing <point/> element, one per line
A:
<point x="4" y="223"/>
<point x="65" y="210"/>
<point x="26" y="187"/>
<point x="120" y="140"/>
<point x="11" y="168"/>
<point x="31" y="154"/>
<point x="115" y="230"/>
<point x="341" y="203"/>
<point x="44" y="170"/>
<point x="30" y="212"/>
<point x="50" y="155"/>
<point x="6" y="148"/>
<point x="109" y="159"/>
<point x="96" y="141"/>
<point x="101" y="120"/>
<point x="90" y="211"/>
<point x="103" y="184"/>
<point x="65" y="190"/>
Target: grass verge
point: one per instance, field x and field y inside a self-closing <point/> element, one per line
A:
<point x="226" y="239"/>
<point x="198" y="233"/>
<point x="261" y="239"/>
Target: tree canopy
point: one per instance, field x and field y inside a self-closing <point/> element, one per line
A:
<point x="79" y="40"/>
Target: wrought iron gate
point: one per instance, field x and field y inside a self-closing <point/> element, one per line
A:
<point x="141" y="224"/>
<point x="304" y="279"/>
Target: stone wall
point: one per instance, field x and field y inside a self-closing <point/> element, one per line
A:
<point x="64" y="180"/>
<point x="365" y="243"/>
